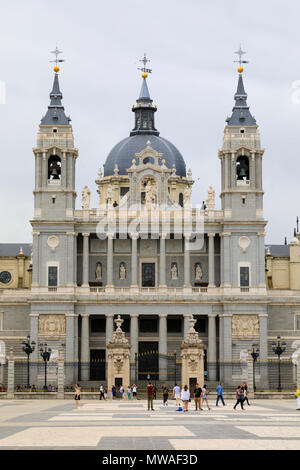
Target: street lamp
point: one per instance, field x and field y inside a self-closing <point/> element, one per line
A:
<point x="45" y="353"/>
<point x="175" y="359"/>
<point x="255" y="355"/>
<point x="279" y="348"/>
<point x="28" y="348"/>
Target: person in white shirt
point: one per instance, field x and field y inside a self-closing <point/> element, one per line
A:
<point x="176" y="394"/>
<point x="134" y="388"/>
<point x="185" y="397"/>
<point x="101" y="390"/>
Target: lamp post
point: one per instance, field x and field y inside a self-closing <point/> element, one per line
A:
<point x="278" y="348"/>
<point x="28" y="348"/>
<point x="45" y="353"/>
<point x="175" y="359"/>
<point x="255" y="355"/>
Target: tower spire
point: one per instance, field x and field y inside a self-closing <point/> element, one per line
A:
<point x="144" y="109"/>
<point x="56" y="112"/>
<point x="241" y="115"/>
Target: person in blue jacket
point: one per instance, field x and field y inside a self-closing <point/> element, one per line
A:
<point x="219" y="391"/>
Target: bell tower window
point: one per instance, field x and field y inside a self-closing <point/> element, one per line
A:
<point x="242" y="168"/>
<point x="54" y="168"/>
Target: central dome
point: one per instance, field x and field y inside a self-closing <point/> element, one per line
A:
<point x="124" y="152"/>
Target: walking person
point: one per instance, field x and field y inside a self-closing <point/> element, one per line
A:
<point x="165" y="395"/>
<point x="105" y="393"/>
<point x="114" y="392"/>
<point x="176" y="394"/>
<point x="121" y="391"/>
<point x="150" y="395"/>
<point x="134" y="391"/>
<point x="77" y="396"/>
<point x="185" y="398"/>
<point x="297" y="396"/>
<point x="219" y="391"/>
<point x="204" y="396"/>
<point x="239" y="398"/>
<point x="101" y="390"/>
<point x="245" y="392"/>
<point x="197" y="397"/>
<point x="129" y="392"/>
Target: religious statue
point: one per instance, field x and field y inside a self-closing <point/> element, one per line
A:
<point x="210" y="201"/>
<point x="187" y="196"/>
<point x="174" y="272"/>
<point x="116" y="170"/>
<point x="86" y="197"/>
<point x="150" y="194"/>
<point x="122" y="271"/>
<point x="100" y="175"/>
<point x="198" y="272"/>
<point x="109" y="194"/>
<point x="98" y="272"/>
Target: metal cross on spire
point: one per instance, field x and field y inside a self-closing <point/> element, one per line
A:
<point x="240" y="53"/>
<point x="144" y="60"/>
<point x="57" y="52"/>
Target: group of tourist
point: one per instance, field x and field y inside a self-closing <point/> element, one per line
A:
<point x="131" y="391"/>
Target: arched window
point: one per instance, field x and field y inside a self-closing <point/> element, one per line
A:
<point x="54" y="168"/>
<point x="242" y="168"/>
<point x="180" y="199"/>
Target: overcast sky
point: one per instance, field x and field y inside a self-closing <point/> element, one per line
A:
<point x="191" y="45"/>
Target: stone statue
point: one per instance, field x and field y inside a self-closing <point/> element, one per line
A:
<point x="198" y="272"/>
<point x="109" y="194"/>
<point x="210" y="201"/>
<point x="116" y="170"/>
<point x="187" y="196"/>
<point x="174" y="272"/>
<point x="122" y="271"/>
<point x="98" y="272"/>
<point x="100" y="175"/>
<point x="150" y="194"/>
<point x="86" y="197"/>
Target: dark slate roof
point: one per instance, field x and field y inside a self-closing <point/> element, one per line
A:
<point x="56" y="113"/>
<point x="241" y="115"/>
<point x="124" y="152"/>
<point x="13" y="249"/>
<point x="278" y="250"/>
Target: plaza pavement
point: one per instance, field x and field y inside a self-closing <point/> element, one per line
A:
<point x="127" y="425"/>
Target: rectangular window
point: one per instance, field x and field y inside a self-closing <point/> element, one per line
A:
<point x="174" y="325"/>
<point x="148" y="325"/>
<point x="244" y="276"/>
<point x="123" y="190"/>
<point x="297" y="322"/>
<point x="98" y="325"/>
<point x="52" y="276"/>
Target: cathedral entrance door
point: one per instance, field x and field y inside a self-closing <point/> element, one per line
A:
<point x="97" y="364"/>
<point x="148" y="274"/>
<point x="148" y="360"/>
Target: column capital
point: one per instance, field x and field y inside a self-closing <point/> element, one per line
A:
<point x="164" y="235"/>
<point x="111" y="235"/>
<point x="212" y="315"/>
<point x="263" y="315"/>
<point x="134" y="315"/>
<point x="226" y="315"/>
<point x="162" y="315"/>
<point x="134" y="236"/>
<point x="36" y="234"/>
<point x="84" y="315"/>
<point x="85" y="234"/>
<point x="211" y="235"/>
<point x="261" y="234"/>
<point x="74" y="234"/>
<point x="225" y="234"/>
<point x="109" y="314"/>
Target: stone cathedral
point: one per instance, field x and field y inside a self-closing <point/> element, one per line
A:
<point x="146" y="254"/>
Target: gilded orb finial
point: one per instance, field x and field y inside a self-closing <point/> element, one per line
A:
<point x="240" y="53"/>
<point x="143" y="69"/>
<point x="56" y="52"/>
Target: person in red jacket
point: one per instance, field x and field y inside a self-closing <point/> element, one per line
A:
<point x="150" y="394"/>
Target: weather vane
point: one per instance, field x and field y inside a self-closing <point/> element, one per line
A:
<point x="144" y="69"/>
<point x="240" y="53"/>
<point x="56" y="60"/>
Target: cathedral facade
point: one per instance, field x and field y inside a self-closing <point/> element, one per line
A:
<point x="146" y="254"/>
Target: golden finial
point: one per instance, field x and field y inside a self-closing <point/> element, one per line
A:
<point x="56" y="60"/>
<point x="143" y="69"/>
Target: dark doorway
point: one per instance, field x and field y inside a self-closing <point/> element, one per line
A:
<point x="148" y="360"/>
<point x="148" y="274"/>
<point x="118" y="382"/>
<point x="192" y="384"/>
<point x="97" y="364"/>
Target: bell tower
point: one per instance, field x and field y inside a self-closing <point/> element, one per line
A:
<point x="242" y="194"/>
<point x="55" y="160"/>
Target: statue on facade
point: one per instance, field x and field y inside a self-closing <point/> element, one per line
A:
<point x="174" y="272"/>
<point x="210" y="201"/>
<point x="122" y="271"/>
<point x="149" y="194"/>
<point x="86" y="197"/>
<point x="109" y="194"/>
<point x="98" y="272"/>
<point x="187" y="196"/>
<point x="198" y="272"/>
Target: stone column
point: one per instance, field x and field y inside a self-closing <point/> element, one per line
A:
<point x="134" y="262"/>
<point x="187" y="264"/>
<point x="11" y="375"/>
<point x="134" y="341"/>
<point x="162" y="262"/>
<point x="212" y="347"/>
<point x="263" y="350"/>
<point x="85" y="347"/>
<point x="71" y="318"/>
<point x="227" y="345"/>
<point x="110" y="262"/>
<point x="186" y="325"/>
<point x="34" y="336"/>
<point x="226" y="260"/>
<point x="211" y="260"/>
<point x="221" y="348"/>
<point x="35" y="259"/>
<point x="61" y="375"/>
<point x="163" y="347"/>
<point x="109" y="327"/>
<point x="250" y="375"/>
<point x="85" y="260"/>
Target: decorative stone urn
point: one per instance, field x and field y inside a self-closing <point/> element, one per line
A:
<point x="118" y="358"/>
<point x="192" y="355"/>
